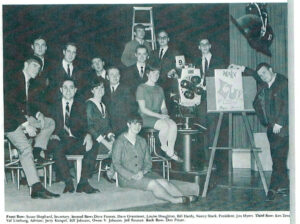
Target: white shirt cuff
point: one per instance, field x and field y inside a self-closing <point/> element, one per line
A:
<point x="37" y="115"/>
<point x="25" y="124"/>
<point x="110" y="135"/>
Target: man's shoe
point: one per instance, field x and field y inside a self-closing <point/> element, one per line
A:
<point x="38" y="191"/>
<point x="271" y="195"/>
<point x="86" y="188"/>
<point x="110" y="180"/>
<point x="40" y="160"/>
<point x="51" y="194"/>
<point x="69" y="187"/>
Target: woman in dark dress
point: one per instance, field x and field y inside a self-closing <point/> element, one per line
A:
<point x="153" y="110"/>
<point x="132" y="162"/>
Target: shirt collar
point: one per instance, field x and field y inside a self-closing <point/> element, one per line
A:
<point x="140" y="65"/>
<point x="65" y="63"/>
<point x="64" y="101"/>
<point x="165" y="48"/>
<point x="115" y="86"/>
<point x="207" y="56"/>
<point x="102" y="74"/>
<point x="272" y="81"/>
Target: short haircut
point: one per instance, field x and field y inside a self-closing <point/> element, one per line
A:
<point x="140" y="46"/>
<point x="95" y="57"/>
<point x="38" y="37"/>
<point x="111" y="68"/>
<point x="65" y="80"/>
<point x="162" y="30"/>
<point x="204" y="38"/>
<point x="34" y="58"/>
<point x="138" y="26"/>
<point x="134" y="118"/>
<point x="263" y="64"/>
<point x="69" y="44"/>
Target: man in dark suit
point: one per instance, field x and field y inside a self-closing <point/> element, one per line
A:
<point x="65" y="69"/>
<point x="23" y="118"/>
<point x="207" y="63"/>
<point x="73" y="139"/>
<point x="271" y="106"/>
<point x="135" y="74"/>
<point x="119" y="101"/>
<point x="165" y="55"/>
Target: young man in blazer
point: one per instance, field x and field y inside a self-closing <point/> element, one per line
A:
<point x="23" y="119"/>
<point x="73" y="138"/>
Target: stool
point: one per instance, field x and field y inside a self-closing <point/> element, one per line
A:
<point x="100" y="158"/>
<point x="154" y="155"/>
<point x="78" y="164"/>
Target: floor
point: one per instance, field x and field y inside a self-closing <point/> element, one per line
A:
<point x="218" y="198"/>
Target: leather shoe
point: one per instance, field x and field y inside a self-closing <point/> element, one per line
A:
<point x="52" y="194"/>
<point x="69" y="187"/>
<point x="40" y="194"/>
<point x="271" y="195"/>
<point x="110" y="180"/>
<point x="86" y="188"/>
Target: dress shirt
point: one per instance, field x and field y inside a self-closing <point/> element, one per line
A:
<point x="139" y="66"/>
<point x="65" y="65"/>
<point x="64" y="104"/>
<point x="102" y="74"/>
<point x="115" y="87"/>
<point x="207" y="57"/>
<point x="272" y="81"/>
<point x="164" y="51"/>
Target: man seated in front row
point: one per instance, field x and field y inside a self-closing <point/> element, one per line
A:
<point x="23" y="119"/>
<point x="73" y="139"/>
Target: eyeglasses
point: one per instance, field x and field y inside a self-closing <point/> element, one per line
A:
<point x="163" y="38"/>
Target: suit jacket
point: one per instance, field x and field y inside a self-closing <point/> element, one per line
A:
<point x="97" y="123"/>
<point x="132" y="78"/>
<point x="78" y="119"/>
<point x="271" y="104"/>
<point x="16" y="106"/>
<point x="215" y="63"/>
<point x="57" y="75"/>
<point x="167" y="63"/>
<point x="120" y="104"/>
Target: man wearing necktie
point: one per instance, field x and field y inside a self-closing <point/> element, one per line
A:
<point x="165" y="56"/>
<point x="66" y="69"/>
<point x="208" y="62"/>
<point x="24" y="121"/>
<point x="134" y="74"/>
<point x="73" y="138"/>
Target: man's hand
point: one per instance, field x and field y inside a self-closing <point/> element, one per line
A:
<point x="172" y="74"/>
<point x="41" y="119"/>
<point x="238" y="67"/>
<point x="276" y="128"/>
<point x="55" y="137"/>
<point x="34" y="122"/>
<point x="138" y="176"/>
<point x="164" y="116"/>
<point x="30" y="130"/>
<point x="88" y="142"/>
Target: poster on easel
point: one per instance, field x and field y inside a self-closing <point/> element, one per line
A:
<point x="229" y="90"/>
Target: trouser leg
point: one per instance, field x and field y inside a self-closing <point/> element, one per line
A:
<point x="42" y="139"/>
<point x="21" y="142"/>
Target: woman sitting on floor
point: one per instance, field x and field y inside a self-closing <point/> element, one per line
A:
<point x="152" y="107"/>
<point x="132" y="162"/>
<point x="99" y="123"/>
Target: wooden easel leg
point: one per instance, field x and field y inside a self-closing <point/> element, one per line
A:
<point x="255" y="154"/>
<point x="212" y="156"/>
<point x="230" y="170"/>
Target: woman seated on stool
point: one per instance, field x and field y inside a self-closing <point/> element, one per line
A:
<point x="132" y="162"/>
<point x="99" y="123"/>
<point x="153" y="110"/>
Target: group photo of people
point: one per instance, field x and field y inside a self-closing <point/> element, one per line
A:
<point x="103" y="83"/>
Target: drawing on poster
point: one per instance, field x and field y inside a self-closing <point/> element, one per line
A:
<point x="229" y="90"/>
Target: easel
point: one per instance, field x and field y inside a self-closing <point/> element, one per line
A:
<point x="254" y="150"/>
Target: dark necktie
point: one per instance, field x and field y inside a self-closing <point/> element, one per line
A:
<point x="142" y="72"/>
<point x="69" y="71"/>
<point x="205" y="65"/>
<point x="67" y="115"/>
<point x="161" y="53"/>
